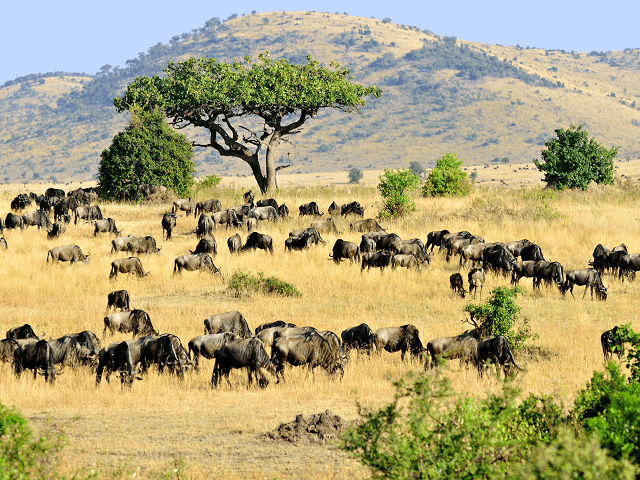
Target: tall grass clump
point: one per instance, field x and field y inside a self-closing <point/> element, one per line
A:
<point x="243" y="282"/>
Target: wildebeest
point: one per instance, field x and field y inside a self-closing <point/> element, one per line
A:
<point x="14" y="221"/>
<point x="548" y="271"/>
<point x="118" y="300"/>
<point x="359" y="338"/>
<point x="232" y="321"/>
<point x="7" y="348"/>
<point x="120" y="244"/>
<point x="54" y="192"/>
<point x="258" y="240"/>
<point x="403" y="339"/>
<point x="148" y="189"/>
<point x="531" y="252"/>
<point x="629" y="265"/>
<point x="310" y="349"/>
<point x="107" y="225"/>
<point x="205" y="226"/>
<point x="352" y="207"/>
<point x="497" y="258"/>
<point x="68" y="351"/>
<point x="522" y="269"/>
<point x="81" y="213"/>
<point x="463" y="347"/>
<point x="375" y="259"/>
<point x="184" y="204"/>
<point x="406" y="261"/>
<point x="310" y="208"/>
<point x="206" y="245"/>
<point x="197" y="261"/>
<point x="67" y="253"/>
<point x="139" y="245"/>
<point x="136" y="321"/>
<point x="283" y="211"/>
<point x="131" y="265"/>
<point x="333" y="209"/>
<point x="476" y="279"/>
<point x="21" y="202"/>
<point x="207" y="345"/>
<point x="409" y="248"/>
<point x="277" y="323"/>
<point x="57" y="229"/>
<point x="168" y="224"/>
<point x="22" y="333"/>
<point x="95" y="213"/>
<point x="243" y="353"/>
<point x="611" y="342"/>
<point x="435" y="238"/>
<point x="248" y="197"/>
<point x="336" y="347"/>
<point x="267" y="202"/>
<point x="35" y="356"/>
<point x="264" y="213"/>
<point x="516" y="247"/>
<point x="209" y="206"/>
<point x="298" y="243"/>
<point x="88" y="340"/>
<point x="343" y="249"/>
<point x="367" y="244"/>
<point x="496" y="351"/>
<point x="312" y="232"/>
<point x="252" y="224"/>
<point x="457" y="284"/>
<point x="117" y="357"/>
<point x="367" y="225"/>
<point x="588" y="277"/>
<point x="384" y="241"/>
<point x="234" y="243"/>
<point x="325" y="225"/>
<point x="268" y="335"/>
<point x="37" y="218"/>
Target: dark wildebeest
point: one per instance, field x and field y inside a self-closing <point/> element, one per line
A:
<point x="235" y="244"/>
<point x="628" y="266"/>
<point x="168" y="224"/>
<point x="54" y="192"/>
<point x="384" y="241"/>
<point x="264" y="213"/>
<point x="611" y="343"/>
<point x="68" y="253"/>
<point x="588" y="277"/>
<point x="403" y="339"/>
<point x="325" y="225"/>
<point x="334" y="209"/>
<point x="68" y="351"/>
<point x="120" y="244"/>
<point x="516" y="247"/>
<point x="142" y="245"/>
<point x="457" y="284"/>
<point x="37" y="218"/>
<point x="258" y="240"/>
<point x="531" y="252"/>
<point x="298" y="243"/>
<point x="35" y="356"/>
<point x="107" y="225"/>
<point x="231" y="321"/>
<point x="239" y="210"/>
<point x="206" y="245"/>
<point x="131" y="265"/>
<point x="367" y="244"/>
<point x="243" y="353"/>
<point x="184" y="204"/>
<point x="209" y="206"/>
<point x="88" y="340"/>
<point x="80" y="195"/>
<point x="57" y="229"/>
<point x="375" y="259"/>
<point x="336" y="346"/>
<point x="367" y="225"/>
<point x="359" y="337"/>
<point x="205" y="226"/>
<point x="310" y="208"/>
<point x="148" y="189"/>
<point x="95" y="213"/>
<point x="267" y="202"/>
<point x="137" y="322"/>
<point x="343" y="250"/>
<point x="61" y="208"/>
<point x="14" y="221"/>
<point x="522" y="269"/>
<point x="248" y="197"/>
<point x="118" y="300"/>
<point x="547" y="271"/>
<point x="498" y="259"/>
<point x="117" y="357"/>
<point x="496" y="351"/>
<point x="207" y="345"/>
<point x="283" y="211"/>
<point x="310" y="349"/>
<point x="476" y="279"/>
<point x="353" y="207"/>
<point x="21" y="202"/>
<point x="197" y="261"/>
<point x="277" y="323"/>
<point x="463" y="347"/>
<point x="22" y="333"/>
<point x="8" y="347"/>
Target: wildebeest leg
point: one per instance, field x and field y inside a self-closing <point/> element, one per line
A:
<point x="585" y="292"/>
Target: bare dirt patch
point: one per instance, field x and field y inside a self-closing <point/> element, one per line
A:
<point x="316" y="428"/>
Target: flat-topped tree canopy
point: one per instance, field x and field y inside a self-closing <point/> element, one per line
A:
<point x="203" y="92"/>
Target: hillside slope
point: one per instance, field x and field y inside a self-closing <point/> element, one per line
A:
<point x="440" y="94"/>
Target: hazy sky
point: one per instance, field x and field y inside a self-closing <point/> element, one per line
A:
<point x="81" y="36"/>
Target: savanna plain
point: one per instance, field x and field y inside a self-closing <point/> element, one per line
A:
<point x="216" y="433"/>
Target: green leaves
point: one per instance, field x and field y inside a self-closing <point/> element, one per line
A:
<point x="447" y="178"/>
<point x="572" y="160"/>
<point x="394" y="187"/>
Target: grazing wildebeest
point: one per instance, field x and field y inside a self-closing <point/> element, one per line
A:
<point x="35" y="356"/>
<point x="283" y="211"/>
<point x="476" y="279"/>
<point x="406" y="261"/>
<point x="384" y="241"/>
<point x="516" y="247"/>
<point x="457" y="284"/>
<point x="205" y="226"/>
<point x="375" y="259"/>
<point x="21" y="202"/>
<point x="402" y="248"/>
<point x="258" y="240"/>
<point x="531" y="252"/>
<point x="336" y="346"/>
<point x="118" y="300"/>
<point x="588" y="277"/>
<point x="197" y="261"/>
<point x="264" y="213"/>
<point x="136" y="321"/>
<point x="611" y="342"/>
<point x="325" y="225"/>
<point x="277" y="323"/>
<point x="14" y="221"/>
<point x="403" y="339"/>
<point x="548" y="271"/>
<point x="131" y="265"/>
<point x="240" y="209"/>
<point x="522" y="269"/>
<point x="207" y="345"/>
<point x="95" y="213"/>
<point x="117" y="357"/>
<point x="359" y="337"/>
<point x="353" y="207"/>
<point x="37" y="218"/>
<point x="243" y="353"/>
<point x="148" y="189"/>
<point x="235" y="244"/>
<point x="252" y="224"/>
<point x="168" y="224"/>
<point x="68" y="253"/>
<point x="629" y="265"/>
<point x="184" y="204"/>
<point x="7" y="348"/>
<point x="142" y="245"/>
<point x="367" y="225"/>
<point x="232" y="321"/>
<point x="343" y="249"/>
<point x="57" y="229"/>
<point x="435" y="238"/>
<point x="498" y="259"/>
<point x="496" y="351"/>
<point x="121" y="244"/>
<point x="298" y="243"/>
<point x="88" y="340"/>
<point x="209" y="206"/>
<point x="107" y="225"/>
<point x="68" y="351"/>
<point x="310" y="349"/>
<point x="310" y="208"/>
<point x="22" y="333"/>
<point x="334" y="209"/>
<point x="312" y="232"/>
<point x="206" y="245"/>
<point x="463" y="347"/>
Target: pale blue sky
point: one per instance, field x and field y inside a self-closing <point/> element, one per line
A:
<point x="81" y="36"/>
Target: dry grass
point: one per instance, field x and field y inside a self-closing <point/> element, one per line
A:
<point x="217" y="432"/>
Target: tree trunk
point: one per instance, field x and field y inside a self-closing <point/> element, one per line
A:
<point x="257" y="173"/>
<point x="271" y="160"/>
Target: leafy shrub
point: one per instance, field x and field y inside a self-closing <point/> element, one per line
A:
<point x="447" y="178"/>
<point x="355" y="175"/>
<point x="416" y="168"/>
<point x="208" y="183"/>
<point x="394" y="187"/>
<point x="245" y="282"/>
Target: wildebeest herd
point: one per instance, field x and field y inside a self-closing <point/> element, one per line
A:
<point x="227" y="338"/>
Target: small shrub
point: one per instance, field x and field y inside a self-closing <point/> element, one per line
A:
<point x="394" y="187"/>
<point x="243" y="282"/>
<point x="208" y="183"/>
<point x="355" y="175"/>
<point x="447" y="178"/>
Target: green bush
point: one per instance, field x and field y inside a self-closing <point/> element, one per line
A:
<point x="355" y="175"/>
<point x="208" y="183"/>
<point x="243" y="282"/>
<point x="394" y="187"/>
<point x="447" y="178"/>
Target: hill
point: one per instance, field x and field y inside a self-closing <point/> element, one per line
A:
<point x="484" y="102"/>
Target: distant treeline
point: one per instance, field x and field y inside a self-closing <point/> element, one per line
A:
<point x="36" y="76"/>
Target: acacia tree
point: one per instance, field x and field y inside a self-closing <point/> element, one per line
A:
<point x="216" y="95"/>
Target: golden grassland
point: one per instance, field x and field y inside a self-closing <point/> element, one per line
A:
<point x="218" y="432"/>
